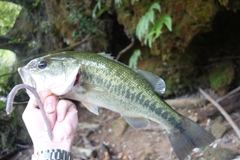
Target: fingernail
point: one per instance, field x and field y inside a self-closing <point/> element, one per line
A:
<point x="49" y="108"/>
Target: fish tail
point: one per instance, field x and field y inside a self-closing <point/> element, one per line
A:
<point x="187" y="136"/>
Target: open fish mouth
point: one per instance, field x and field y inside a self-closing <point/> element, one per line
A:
<point x="26" y="77"/>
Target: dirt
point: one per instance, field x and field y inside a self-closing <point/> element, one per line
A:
<point x="108" y="137"/>
<point x="124" y="142"/>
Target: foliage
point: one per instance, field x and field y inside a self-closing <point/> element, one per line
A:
<point x="98" y="6"/>
<point x="46" y="26"/>
<point x="84" y="23"/>
<point x="7" y="58"/>
<point x="8" y="15"/>
<point x="148" y="29"/>
<point x="118" y="3"/>
<point x="2" y="105"/>
<point x="11" y="131"/>
<point x="36" y="3"/>
<point x="156" y="29"/>
<point x="9" y="126"/>
<point x="134" y="59"/>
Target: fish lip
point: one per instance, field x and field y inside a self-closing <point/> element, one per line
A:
<point x="26" y="77"/>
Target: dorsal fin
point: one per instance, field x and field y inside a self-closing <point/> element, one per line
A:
<point x="106" y="55"/>
<point x="156" y="82"/>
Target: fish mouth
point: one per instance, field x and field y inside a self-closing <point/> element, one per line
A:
<point x="26" y="77"/>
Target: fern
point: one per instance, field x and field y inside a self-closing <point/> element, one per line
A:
<point x="156" y="29"/>
<point x="118" y="3"/>
<point x="147" y="29"/>
<point x="133" y="1"/>
<point x="134" y="59"/>
<point x="143" y="25"/>
<point x="97" y="6"/>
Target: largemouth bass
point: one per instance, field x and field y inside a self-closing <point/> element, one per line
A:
<point x="97" y="80"/>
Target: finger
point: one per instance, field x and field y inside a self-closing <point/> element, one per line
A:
<point x="30" y="110"/>
<point x="64" y="106"/>
<point x="44" y="94"/>
<point x="50" y="104"/>
<point x="32" y="117"/>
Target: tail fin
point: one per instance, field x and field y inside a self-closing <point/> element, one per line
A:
<point x="189" y="136"/>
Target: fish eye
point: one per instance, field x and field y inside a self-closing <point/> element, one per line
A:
<point x="42" y="64"/>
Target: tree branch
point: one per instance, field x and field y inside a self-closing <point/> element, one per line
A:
<point x="125" y="49"/>
<point x="222" y="111"/>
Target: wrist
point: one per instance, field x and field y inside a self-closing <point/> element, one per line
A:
<point x="38" y="146"/>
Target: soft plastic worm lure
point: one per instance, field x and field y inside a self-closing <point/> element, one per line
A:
<point x="10" y="99"/>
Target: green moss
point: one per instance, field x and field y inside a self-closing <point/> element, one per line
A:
<point x="84" y="23"/>
<point x="221" y="75"/>
<point x="8" y="14"/>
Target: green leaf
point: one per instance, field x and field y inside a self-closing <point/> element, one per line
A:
<point x="167" y="20"/>
<point x="36" y="3"/>
<point x="156" y="29"/>
<point x="102" y="11"/>
<point x="155" y="5"/>
<point x="143" y="24"/>
<point x="97" y="6"/>
<point x="118" y="3"/>
<point x="2" y="105"/>
<point x="147" y="29"/>
<point x="134" y="59"/>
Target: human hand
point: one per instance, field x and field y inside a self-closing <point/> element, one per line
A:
<point x="62" y="116"/>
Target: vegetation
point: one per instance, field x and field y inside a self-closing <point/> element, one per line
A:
<point x="8" y="15"/>
<point x="134" y="59"/>
<point x="7" y="60"/>
<point x="85" y="25"/>
<point x="148" y="29"/>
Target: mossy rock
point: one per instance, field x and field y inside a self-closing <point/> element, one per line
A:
<point x="221" y="76"/>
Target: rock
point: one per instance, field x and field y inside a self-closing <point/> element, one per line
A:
<point x="218" y="154"/>
<point x="81" y="152"/>
<point x="217" y="128"/>
<point x="221" y="76"/>
<point x="119" y="126"/>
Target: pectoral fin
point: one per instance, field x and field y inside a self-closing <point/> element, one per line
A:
<point x="156" y="82"/>
<point x="91" y="107"/>
<point x="137" y="122"/>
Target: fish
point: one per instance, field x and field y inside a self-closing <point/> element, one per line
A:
<point x="98" y="80"/>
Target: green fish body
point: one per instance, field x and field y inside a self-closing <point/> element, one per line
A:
<point x="97" y="80"/>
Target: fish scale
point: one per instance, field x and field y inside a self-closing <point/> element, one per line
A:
<point x="97" y="80"/>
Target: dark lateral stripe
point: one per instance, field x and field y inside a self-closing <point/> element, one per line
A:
<point x="163" y="113"/>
